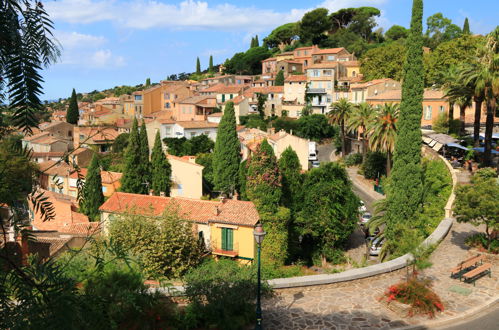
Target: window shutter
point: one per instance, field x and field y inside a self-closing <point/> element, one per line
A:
<point x="230" y="239"/>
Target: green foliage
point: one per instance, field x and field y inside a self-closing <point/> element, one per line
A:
<point x="480" y="241"/>
<point x="261" y="99"/>
<point x="148" y="82"/>
<point x="292" y="179"/>
<point x="339" y="114"/>
<point x="396" y="32"/>
<point x="329" y="210"/>
<point x="226" y="155"/>
<point x="466" y="27"/>
<point x="221" y="295"/>
<point x="404" y="195"/>
<point x="164" y="245"/>
<point x="210" y="65"/>
<point x="441" y="124"/>
<point x="315" y="127"/>
<point x="189" y="147"/>
<point x="313" y="24"/>
<point x="353" y="159"/>
<point x="241" y="184"/>
<point x="485" y="173"/>
<point x="279" y="78"/>
<point x="120" y="143"/>
<point x="131" y="181"/>
<point x="254" y="42"/>
<point x="206" y="160"/>
<point x="248" y="62"/>
<point x="275" y="245"/>
<point x="92" y="197"/>
<point x="73" y="113"/>
<point x="477" y="204"/>
<point x="198" y="66"/>
<point x="283" y="34"/>
<point x="253" y="121"/>
<point x="145" y="164"/>
<point x="440" y="29"/>
<point x="385" y="61"/>
<point x="161" y="170"/>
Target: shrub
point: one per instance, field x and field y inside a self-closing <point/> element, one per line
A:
<point x="353" y="159"/>
<point x="221" y="295"/>
<point x="418" y="294"/>
<point x="374" y="165"/>
<point x="441" y="124"/>
<point x="480" y="241"/>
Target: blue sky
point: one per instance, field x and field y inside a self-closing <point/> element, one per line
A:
<point x="122" y="42"/>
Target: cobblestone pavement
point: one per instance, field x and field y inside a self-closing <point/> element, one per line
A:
<point x="354" y="304"/>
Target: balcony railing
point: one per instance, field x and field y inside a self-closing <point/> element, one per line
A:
<point x="216" y="248"/>
<point x="316" y="91"/>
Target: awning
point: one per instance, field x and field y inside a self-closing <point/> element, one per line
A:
<point x="437" y="146"/>
<point x="482" y="149"/>
<point x="455" y="145"/>
<point x="495" y="136"/>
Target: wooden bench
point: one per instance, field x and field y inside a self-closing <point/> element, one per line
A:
<point x="466" y="265"/>
<point x="478" y="272"/>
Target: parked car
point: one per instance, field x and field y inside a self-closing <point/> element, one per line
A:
<point x="375" y="245"/>
<point x="364" y="218"/>
<point x="362" y="207"/>
<point x="315" y="164"/>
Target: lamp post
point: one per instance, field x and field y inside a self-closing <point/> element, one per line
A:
<point x="259" y="234"/>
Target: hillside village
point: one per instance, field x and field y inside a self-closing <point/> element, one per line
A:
<point x="164" y="192"/>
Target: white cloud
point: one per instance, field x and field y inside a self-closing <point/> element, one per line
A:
<point x="72" y="40"/>
<point x="105" y="58"/>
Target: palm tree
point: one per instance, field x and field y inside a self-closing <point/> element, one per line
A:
<point x="460" y="94"/>
<point x="450" y="77"/>
<point x="382" y="131"/>
<point x="485" y="78"/>
<point x="361" y="116"/>
<point x="339" y="114"/>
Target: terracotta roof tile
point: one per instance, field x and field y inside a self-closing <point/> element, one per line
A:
<point x="107" y="177"/>
<point x="396" y="95"/>
<point x="323" y="65"/>
<point x="299" y="77"/>
<point x="196" y="124"/>
<point x="328" y="51"/>
<point x="230" y="211"/>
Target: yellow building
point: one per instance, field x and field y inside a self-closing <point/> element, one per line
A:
<point x="187" y="177"/>
<point x="226" y="226"/>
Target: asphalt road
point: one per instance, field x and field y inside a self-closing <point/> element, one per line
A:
<point x="485" y="320"/>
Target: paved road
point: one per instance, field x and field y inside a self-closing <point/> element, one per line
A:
<point x="486" y="320"/>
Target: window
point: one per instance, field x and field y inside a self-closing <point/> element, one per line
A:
<point x="427" y="113"/>
<point x="330" y="57"/>
<point x="227" y="239"/>
<point x="223" y="98"/>
<point x="316" y="73"/>
<point x="320" y="84"/>
<point x="298" y="53"/>
<point x="167" y="96"/>
<point x="231" y="96"/>
<point x="167" y="105"/>
<point x="298" y="113"/>
<point x="442" y="109"/>
<point x="306" y="62"/>
<point x="180" y="192"/>
<point x="354" y="74"/>
<point x="104" y="189"/>
<point x="138" y="97"/>
<point x="206" y="133"/>
<point x="328" y="72"/>
<point x="293" y="68"/>
<point x="193" y="134"/>
<point x="329" y="85"/>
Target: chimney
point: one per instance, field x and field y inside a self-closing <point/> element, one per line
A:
<point x="217" y="211"/>
<point x="162" y="194"/>
<point x="151" y="192"/>
<point x="223" y="199"/>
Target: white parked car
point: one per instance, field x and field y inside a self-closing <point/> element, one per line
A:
<point x="315" y="164"/>
<point x="364" y="218"/>
<point x="375" y="245"/>
<point x="362" y="207"/>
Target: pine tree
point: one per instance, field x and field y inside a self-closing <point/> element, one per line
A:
<point x="279" y="78"/>
<point x="144" y="151"/>
<point x="198" y="66"/>
<point x="93" y="197"/>
<point x="257" y="43"/>
<point x="252" y="44"/>
<point x="131" y="181"/>
<point x="403" y="195"/>
<point x="226" y="155"/>
<point x="290" y="168"/>
<point x="210" y="67"/>
<point x="160" y="168"/>
<point x="73" y="114"/>
<point x="466" y="27"/>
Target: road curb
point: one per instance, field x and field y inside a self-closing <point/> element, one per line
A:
<point x="453" y="320"/>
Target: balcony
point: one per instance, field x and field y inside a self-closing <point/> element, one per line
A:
<point x="217" y="249"/>
<point x="316" y="91"/>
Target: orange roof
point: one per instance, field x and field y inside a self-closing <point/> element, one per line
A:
<point x="371" y="83"/>
<point x="299" y="77"/>
<point x="396" y="95"/>
<point x="107" y="177"/>
<point x="238" y="99"/>
<point x="186" y="159"/>
<point x="53" y="167"/>
<point x="196" y="124"/>
<point x="99" y="133"/>
<point x="328" y="51"/>
<point x="350" y="63"/>
<point x="230" y="211"/>
<point x="323" y="65"/>
<point x="225" y="89"/>
<point x="269" y="59"/>
<point x="36" y="136"/>
<point x="264" y="90"/>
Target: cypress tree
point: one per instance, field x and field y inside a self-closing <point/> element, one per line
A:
<point x="198" y="66"/>
<point x="252" y="44"/>
<point x="241" y="188"/>
<point x="279" y="78"/>
<point x="148" y="82"/>
<point x="131" y="181"/>
<point x="290" y="168"/>
<point x="210" y="67"/>
<point x="226" y="155"/>
<point x="160" y="168"/>
<point x="404" y="192"/>
<point x="73" y="114"/>
<point x="466" y="26"/>
<point x="257" y="43"/>
<point x="144" y="151"/>
<point x="93" y="197"/>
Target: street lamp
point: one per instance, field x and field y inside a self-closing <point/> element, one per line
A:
<point x="259" y="234"/>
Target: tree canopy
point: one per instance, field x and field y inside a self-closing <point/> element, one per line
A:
<point x="282" y="35"/>
<point x="161" y="170"/>
<point x="93" y="197"/>
<point x="248" y="62"/>
<point x="73" y="113"/>
<point x="384" y="61"/>
<point x="440" y="29"/>
<point x="396" y="32"/>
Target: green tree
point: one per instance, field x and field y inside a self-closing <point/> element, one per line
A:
<point x="73" y="113"/>
<point x="339" y="114"/>
<point x="198" y="66"/>
<point x="120" y="143"/>
<point x="478" y="205"/>
<point x="206" y="160"/>
<point x="462" y="95"/>
<point x="385" y="61"/>
<point x="315" y="127"/>
<point x="148" y="82"/>
<point x="145" y="163"/>
<point x="396" y="32"/>
<point x="282" y="35"/>
<point x="363" y="22"/>
<point x="226" y="156"/>
<point x="261" y="99"/>
<point x="210" y="66"/>
<point x="440" y="29"/>
<point x="165" y="244"/>
<point x="248" y="62"/>
<point x="131" y="181"/>
<point x="466" y="27"/>
<point x="313" y="25"/>
<point x="241" y="184"/>
<point x="362" y="116"/>
<point x="382" y="131"/>
<point x="279" y="78"/>
<point x="161" y="170"/>
<point x="257" y="43"/>
<point x="292" y="180"/>
<point x="404" y="195"/>
<point x="329" y="210"/>
<point x="93" y="197"/>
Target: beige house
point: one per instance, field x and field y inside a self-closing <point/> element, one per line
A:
<point x="360" y="92"/>
<point x="187" y="177"/>
<point x="45" y="142"/>
<point x="294" y="95"/>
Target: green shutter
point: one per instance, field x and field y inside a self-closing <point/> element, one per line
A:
<point x="230" y="239"/>
<point x="224" y="238"/>
<point x="223" y="97"/>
